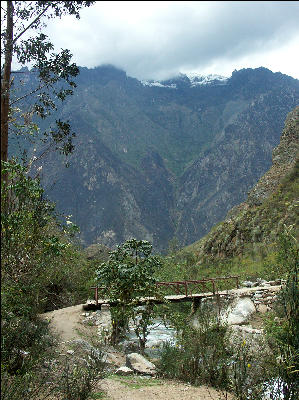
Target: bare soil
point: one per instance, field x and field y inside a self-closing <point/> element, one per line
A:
<point x="164" y="390"/>
<point x="66" y="323"/>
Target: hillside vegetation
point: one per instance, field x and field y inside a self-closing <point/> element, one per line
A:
<point x="245" y="241"/>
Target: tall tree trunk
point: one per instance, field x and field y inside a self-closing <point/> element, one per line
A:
<point x="5" y="84"/>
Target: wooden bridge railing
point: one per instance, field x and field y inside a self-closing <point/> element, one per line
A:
<point x="185" y="287"/>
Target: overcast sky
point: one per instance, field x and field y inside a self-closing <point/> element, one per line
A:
<point x="157" y="40"/>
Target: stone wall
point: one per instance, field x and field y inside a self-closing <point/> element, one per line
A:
<point x="262" y="296"/>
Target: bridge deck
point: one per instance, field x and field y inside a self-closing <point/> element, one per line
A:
<point x="172" y="298"/>
<point x="91" y="304"/>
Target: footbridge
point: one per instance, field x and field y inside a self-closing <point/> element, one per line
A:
<point x="178" y="291"/>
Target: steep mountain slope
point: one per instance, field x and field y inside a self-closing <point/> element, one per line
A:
<point x="164" y="159"/>
<point x="110" y="199"/>
<point x="271" y="204"/>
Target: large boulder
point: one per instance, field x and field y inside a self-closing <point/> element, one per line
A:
<point x="239" y="312"/>
<point x="140" y="364"/>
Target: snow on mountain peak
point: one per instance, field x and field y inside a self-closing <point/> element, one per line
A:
<point x="158" y="84"/>
<point x="194" y="78"/>
<point x="197" y="79"/>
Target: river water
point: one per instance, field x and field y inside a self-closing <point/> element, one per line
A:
<point x="159" y="333"/>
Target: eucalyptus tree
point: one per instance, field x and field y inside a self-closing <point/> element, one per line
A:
<point x="23" y="41"/>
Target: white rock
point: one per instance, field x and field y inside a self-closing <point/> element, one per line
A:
<point x="247" y="284"/>
<point x="262" y="308"/>
<point x="258" y="296"/>
<point x="239" y="312"/>
<point x="140" y="364"/>
<point x="124" y="371"/>
<point x="247" y="330"/>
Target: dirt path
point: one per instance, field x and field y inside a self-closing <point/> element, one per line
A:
<point x="67" y="324"/>
<point x="164" y="390"/>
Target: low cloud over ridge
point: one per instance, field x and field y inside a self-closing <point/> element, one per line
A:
<point x="159" y="39"/>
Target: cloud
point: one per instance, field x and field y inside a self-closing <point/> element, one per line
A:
<point x="159" y="39"/>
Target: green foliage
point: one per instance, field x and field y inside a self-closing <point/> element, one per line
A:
<point x="136" y="382"/>
<point x="178" y="266"/>
<point x="40" y="269"/>
<point x="127" y="276"/>
<point x="251" y="368"/>
<point x="52" y="71"/>
<point x="199" y="355"/>
<point x="26" y="243"/>
<point x="68" y="377"/>
<point x="77" y="378"/>
<point x="206" y="352"/>
<point x="250" y="234"/>
<point x="34" y="248"/>
<point x="33" y="385"/>
<point x="129" y="272"/>
<point x="283" y="331"/>
<point x="142" y="317"/>
<point x="173" y="246"/>
<point x="24" y="344"/>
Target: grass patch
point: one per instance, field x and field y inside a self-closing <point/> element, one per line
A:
<point x="136" y="382"/>
<point x="98" y="396"/>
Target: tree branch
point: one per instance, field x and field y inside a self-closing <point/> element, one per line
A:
<point x="28" y="94"/>
<point x="31" y="23"/>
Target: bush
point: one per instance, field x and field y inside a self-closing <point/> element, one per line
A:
<point x="200" y="355"/>
<point x="41" y="270"/>
<point x="77" y="377"/>
<point x="210" y="354"/>
<point x="29" y="386"/>
<point x="251" y="366"/>
<point x="283" y="330"/>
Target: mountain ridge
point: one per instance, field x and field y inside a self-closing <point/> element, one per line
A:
<point x="154" y="162"/>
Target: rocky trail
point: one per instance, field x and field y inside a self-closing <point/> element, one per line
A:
<point x="67" y="324"/>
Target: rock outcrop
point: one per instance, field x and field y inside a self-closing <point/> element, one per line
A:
<point x="140" y="364"/>
<point x="270" y="205"/>
<point x="284" y="157"/>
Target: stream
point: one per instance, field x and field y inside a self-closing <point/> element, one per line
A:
<point x="159" y="333"/>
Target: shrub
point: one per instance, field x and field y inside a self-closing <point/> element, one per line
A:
<point x="283" y="331"/>
<point x="41" y="270"/>
<point x="76" y="378"/>
<point x="199" y="355"/>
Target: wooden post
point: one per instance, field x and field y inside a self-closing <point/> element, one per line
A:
<point x="195" y="304"/>
<point x="218" y="302"/>
<point x="97" y="295"/>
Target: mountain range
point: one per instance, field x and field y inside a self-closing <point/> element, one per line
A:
<point x="158" y="160"/>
